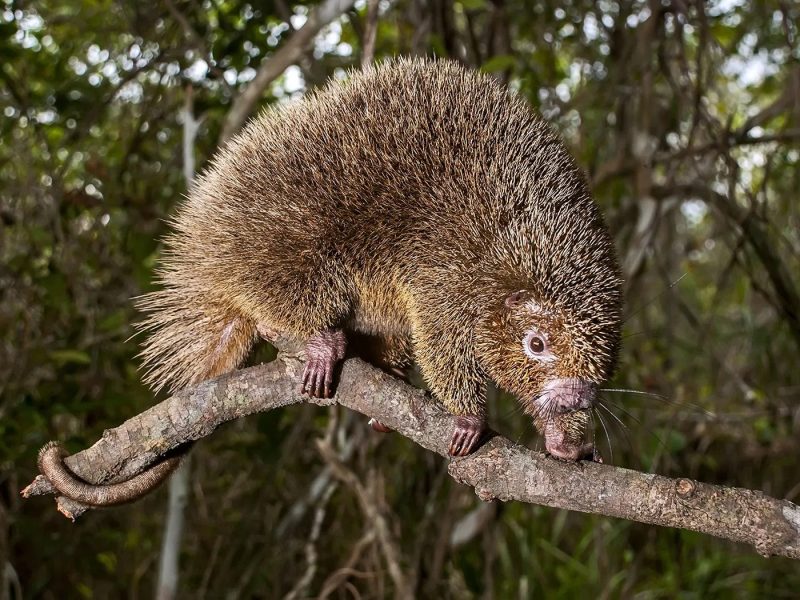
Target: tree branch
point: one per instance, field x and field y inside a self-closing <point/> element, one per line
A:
<point x="757" y="234"/>
<point x="498" y="470"/>
<point x="372" y="514"/>
<point x="275" y="64"/>
<point x="370" y="34"/>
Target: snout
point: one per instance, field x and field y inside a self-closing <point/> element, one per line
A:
<point x="557" y="447"/>
<point x="561" y="413"/>
<point x="568" y="394"/>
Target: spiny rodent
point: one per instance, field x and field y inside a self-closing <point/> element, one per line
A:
<point x="419" y="203"/>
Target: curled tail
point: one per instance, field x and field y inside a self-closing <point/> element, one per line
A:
<point x="190" y="340"/>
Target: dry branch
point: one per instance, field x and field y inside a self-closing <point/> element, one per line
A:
<point x="272" y="67"/>
<point x="370" y="33"/>
<point x="372" y="514"/>
<point x="756" y="231"/>
<point x="499" y="470"/>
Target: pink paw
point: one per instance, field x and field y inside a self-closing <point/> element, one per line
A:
<point x="318" y="378"/>
<point x="323" y="351"/>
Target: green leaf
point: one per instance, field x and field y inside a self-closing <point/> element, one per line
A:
<point x="473" y="4"/>
<point x="501" y="62"/>
<point x="65" y="357"/>
<point x="108" y="560"/>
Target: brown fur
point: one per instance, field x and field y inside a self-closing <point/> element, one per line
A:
<point x="407" y="204"/>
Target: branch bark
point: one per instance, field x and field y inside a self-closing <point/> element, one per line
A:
<point x="498" y="470"/>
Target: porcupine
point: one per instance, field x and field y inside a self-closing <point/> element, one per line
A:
<point x="417" y="203"/>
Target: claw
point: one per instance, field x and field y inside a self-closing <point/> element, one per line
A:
<point x="318" y="376"/>
<point x="467" y="435"/>
<point x="323" y="351"/>
<point x="378" y="426"/>
<point x="305" y="379"/>
<point x="315" y="380"/>
<point x="328" y="382"/>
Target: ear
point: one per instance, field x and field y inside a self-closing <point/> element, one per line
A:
<point x="516" y="298"/>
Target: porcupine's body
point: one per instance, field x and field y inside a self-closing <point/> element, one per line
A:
<point x="418" y="203"/>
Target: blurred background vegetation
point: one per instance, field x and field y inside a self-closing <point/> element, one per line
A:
<point x="686" y="117"/>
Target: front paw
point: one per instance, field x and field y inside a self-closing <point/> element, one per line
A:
<point x="467" y="435"/>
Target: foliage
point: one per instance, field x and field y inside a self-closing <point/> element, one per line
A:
<point x="686" y="116"/>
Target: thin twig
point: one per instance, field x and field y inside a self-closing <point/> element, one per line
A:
<point x="300" y="589"/>
<point x="373" y="515"/>
<point x="340" y="575"/>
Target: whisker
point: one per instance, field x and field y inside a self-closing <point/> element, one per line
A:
<point x="551" y="413"/>
<point x="628" y="336"/>
<point x="664" y="399"/>
<point x="627" y="391"/>
<point x="542" y="410"/>
<point x="650" y="431"/>
<point x="592" y="435"/>
<point x="624" y="428"/>
<point x="514" y="411"/>
<point x="628" y="413"/>
<point x="608" y="437"/>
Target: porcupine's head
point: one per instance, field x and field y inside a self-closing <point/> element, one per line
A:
<point x="551" y="331"/>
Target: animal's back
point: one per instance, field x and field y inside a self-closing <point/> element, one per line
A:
<point x="333" y="206"/>
<point x="357" y="165"/>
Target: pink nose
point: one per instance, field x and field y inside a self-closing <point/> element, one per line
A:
<point x="569" y="394"/>
<point x="565" y="451"/>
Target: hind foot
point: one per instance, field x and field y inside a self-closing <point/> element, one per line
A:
<point x="323" y="351"/>
<point x="467" y="435"/>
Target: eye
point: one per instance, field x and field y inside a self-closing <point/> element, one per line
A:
<point x="536" y="346"/>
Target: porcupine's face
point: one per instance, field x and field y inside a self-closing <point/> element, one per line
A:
<point x="553" y="358"/>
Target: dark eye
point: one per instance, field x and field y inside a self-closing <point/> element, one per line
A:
<point x="536" y="344"/>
